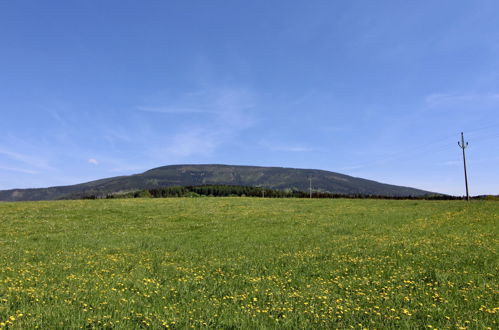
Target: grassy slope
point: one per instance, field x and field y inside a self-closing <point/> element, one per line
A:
<point x="241" y="262"/>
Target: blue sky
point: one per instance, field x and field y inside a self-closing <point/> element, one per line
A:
<point x="374" y="89"/>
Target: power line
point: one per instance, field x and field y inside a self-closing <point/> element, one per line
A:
<point x="415" y="152"/>
<point x="483" y="128"/>
<point x="409" y="153"/>
<point x="489" y="137"/>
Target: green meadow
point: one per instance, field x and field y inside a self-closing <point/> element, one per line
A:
<point x="249" y="263"/>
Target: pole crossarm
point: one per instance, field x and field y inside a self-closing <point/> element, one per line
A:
<point x="462" y="146"/>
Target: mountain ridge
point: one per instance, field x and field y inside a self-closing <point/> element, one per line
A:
<point x="273" y="177"/>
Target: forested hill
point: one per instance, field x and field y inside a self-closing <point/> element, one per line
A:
<point x="194" y="175"/>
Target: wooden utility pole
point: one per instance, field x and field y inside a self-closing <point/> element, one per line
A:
<point x="463" y="146"/>
<point x="310" y="187"/>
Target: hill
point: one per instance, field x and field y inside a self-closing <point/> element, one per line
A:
<point x="193" y="175"/>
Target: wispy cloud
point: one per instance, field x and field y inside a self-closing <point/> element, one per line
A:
<point x="451" y="163"/>
<point x="217" y="116"/>
<point x="193" y="142"/>
<point x="129" y="169"/>
<point x="123" y="166"/>
<point x="115" y="137"/>
<point x="93" y="161"/>
<point x="333" y="129"/>
<point x="286" y="147"/>
<point x="453" y="99"/>
<point x="57" y="117"/>
<point x="174" y="110"/>
<point x="32" y="161"/>
<point x="351" y="168"/>
<point x="19" y="170"/>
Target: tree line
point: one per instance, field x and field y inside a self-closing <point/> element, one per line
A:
<point x="247" y="191"/>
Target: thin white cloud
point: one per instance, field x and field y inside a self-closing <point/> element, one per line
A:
<point x="113" y="135"/>
<point x="19" y="170"/>
<point x="32" y="161"/>
<point x="193" y="142"/>
<point x="93" y="161"/>
<point x="452" y="99"/>
<point x="333" y="129"/>
<point x="173" y="110"/>
<point x="17" y="156"/>
<point x="351" y="168"/>
<point x="57" y="116"/>
<point x="226" y="112"/>
<point x="286" y="147"/>
<point x="451" y="163"/>
<point x="230" y="105"/>
<point x="130" y="169"/>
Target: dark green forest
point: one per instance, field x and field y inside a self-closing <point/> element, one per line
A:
<point x="245" y="191"/>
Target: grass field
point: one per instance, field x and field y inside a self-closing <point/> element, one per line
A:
<point x="249" y="263"/>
